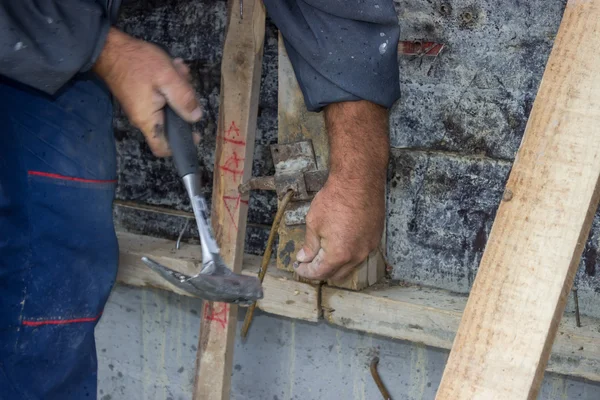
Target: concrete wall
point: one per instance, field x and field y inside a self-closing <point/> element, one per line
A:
<point x="455" y="133"/>
<point x="147" y="341"/>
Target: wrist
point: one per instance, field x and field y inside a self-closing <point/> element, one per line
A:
<point x="367" y="182"/>
<point x="106" y="63"/>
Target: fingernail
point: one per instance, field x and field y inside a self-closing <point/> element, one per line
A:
<point x="197" y="113"/>
<point x="301" y="255"/>
<point x="296" y="264"/>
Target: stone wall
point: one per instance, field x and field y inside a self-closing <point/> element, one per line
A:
<point x="454" y="133"/>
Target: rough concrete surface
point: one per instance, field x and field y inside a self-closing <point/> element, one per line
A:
<point x="475" y="97"/>
<point x="440" y="210"/>
<point x="147" y="342"/>
<point x="459" y="124"/>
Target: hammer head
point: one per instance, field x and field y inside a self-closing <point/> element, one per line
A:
<point x="215" y="282"/>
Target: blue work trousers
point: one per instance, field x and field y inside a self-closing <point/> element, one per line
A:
<point x="58" y="249"/>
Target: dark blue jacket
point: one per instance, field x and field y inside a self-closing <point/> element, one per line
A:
<point x="341" y="50"/>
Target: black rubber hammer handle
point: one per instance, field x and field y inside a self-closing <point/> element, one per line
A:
<point x="181" y="141"/>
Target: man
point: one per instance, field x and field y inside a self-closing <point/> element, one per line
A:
<point x="59" y="60"/>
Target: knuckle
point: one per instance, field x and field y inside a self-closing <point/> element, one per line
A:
<point x="166" y="75"/>
<point x="189" y="100"/>
<point x="160" y="151"/>
<point x="320" y="275"/>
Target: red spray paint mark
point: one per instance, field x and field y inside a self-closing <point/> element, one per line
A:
<point x="232" y="165"/>
<point x="217" y="312"/>
<point x="232" y="203"/>
<point x="418" y="48"/>
<point x="232" y="135"/>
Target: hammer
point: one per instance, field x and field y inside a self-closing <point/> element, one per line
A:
<point x="214" y="282"/>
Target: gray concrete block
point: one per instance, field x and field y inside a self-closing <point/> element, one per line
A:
<point x="440" y="210"/>
<point x="475" y="97"/>
<point x="147" y="341"/>
<point x="192" y="30"/>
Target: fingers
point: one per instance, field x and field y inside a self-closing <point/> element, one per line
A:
<point x="154" y="131"/>
<point x="180" y="95"/>
<point x="182" y="68"/>
<point x="316" y="268"/>
<point x="326" y="266"/>
<point x="343" y="272"/>
<point x="312" y="244"/>
<point x="334" y="265"/>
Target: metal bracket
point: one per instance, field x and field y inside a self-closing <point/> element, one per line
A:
<point x="295" y="169"/>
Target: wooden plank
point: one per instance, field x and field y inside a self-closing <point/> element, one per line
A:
<point x="296" y="123"/>
<point x="431" y="317"/>
<point x="284" y="295"/>
<point x="240" y="83"/>
<point x="518" y="297"/>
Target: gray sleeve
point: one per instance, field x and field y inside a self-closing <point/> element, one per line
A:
<point x="44" y="43"/>
<point x="341" y="50"/>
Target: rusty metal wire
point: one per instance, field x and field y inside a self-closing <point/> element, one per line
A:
<point x="384" y="392"/>
<point x="267" y="257"/>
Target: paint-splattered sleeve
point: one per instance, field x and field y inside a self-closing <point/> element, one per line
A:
<point x="43" y="44"/>
<point x="341" y="50"/>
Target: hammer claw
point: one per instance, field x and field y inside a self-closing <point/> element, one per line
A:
<point x="228" y="288"/>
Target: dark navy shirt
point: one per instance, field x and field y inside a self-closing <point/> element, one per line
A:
<point x="341" y="50"/>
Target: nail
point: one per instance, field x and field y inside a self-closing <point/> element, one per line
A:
<point x="301" y="255"/>
<point x="197" y="114"/>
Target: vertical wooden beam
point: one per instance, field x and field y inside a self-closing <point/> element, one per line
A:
<point x="240" y="83"/>
<point x="296" y="123"/>
<point x="518" y="298"/>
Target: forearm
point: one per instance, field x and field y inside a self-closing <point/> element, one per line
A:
<point x="359" y="145"/>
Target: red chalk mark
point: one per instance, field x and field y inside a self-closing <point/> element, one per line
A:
<point x="232" y="135"/>
<point x="418" y="48"/>
<point x="232" y="203"/>
<point x="217" y="312"/>
<point x="232" y="165"/>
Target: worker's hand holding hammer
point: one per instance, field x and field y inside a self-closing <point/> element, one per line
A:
<point x="144" y="79"/>
<point x="346" y="218"/>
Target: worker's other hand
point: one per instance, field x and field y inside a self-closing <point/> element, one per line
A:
<point x="144" y="79"/>
<point x="343" y="226"/>
<point x="345" y="220"/>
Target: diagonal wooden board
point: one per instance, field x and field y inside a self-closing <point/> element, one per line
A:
<point x="519" y="295"/>
<point x="240" y="83"/>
